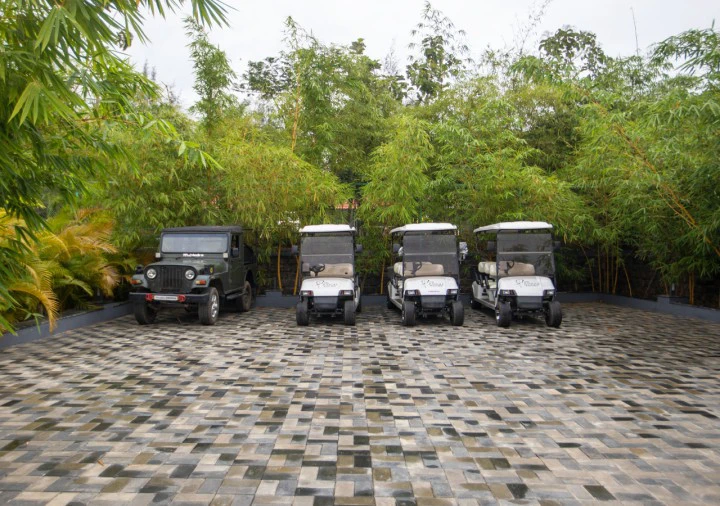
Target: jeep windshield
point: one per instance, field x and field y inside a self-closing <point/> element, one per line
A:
<point x="431" y="254"/>
<point x="326" y="249"/>
<point x="194" y="243"/>
<point x="525" y="254"/>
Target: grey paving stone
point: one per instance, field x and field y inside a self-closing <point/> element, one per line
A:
<point x="616" y="405"/>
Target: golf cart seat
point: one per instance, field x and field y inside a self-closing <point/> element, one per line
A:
<point x="425" y="269"/>
<point x="517" y="269"/>
<point x="344" y="270"/>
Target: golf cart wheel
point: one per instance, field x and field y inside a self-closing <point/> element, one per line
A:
<point x="457" y="313"/>
<point x="474" y="304"/>
<point x="244" y="302"/>
<point x="209" y="311"/>
<point x="349" y="312"/>
<point x="503" y="314"/>
<point x="553" y="314"/>
<point x="301" y="313"/>
<point x="408" y="313"/>
<point x="358" y="308"/>
<point x="389" y="303"/>
<point x="144" y="314"/>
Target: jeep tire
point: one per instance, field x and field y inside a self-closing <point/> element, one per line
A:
<point x="209" y="311"/>
<point x="144" y="314"/>
<point x="244" y="302"/>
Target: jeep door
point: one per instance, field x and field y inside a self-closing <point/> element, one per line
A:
<point x="237" y="266"/>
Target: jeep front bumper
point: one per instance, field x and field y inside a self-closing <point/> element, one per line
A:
<point x="169" y="298"/>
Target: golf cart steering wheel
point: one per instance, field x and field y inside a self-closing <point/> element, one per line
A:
<point x="509" y="265"/>
<point x="415" y="266"/>
<point x="317" y="268"/>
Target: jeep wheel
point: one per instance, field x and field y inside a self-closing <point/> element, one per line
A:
<point x="209" y="311"/>
<point x="301" y="313"/>
<point x="244" y="302"/>
<point x="553" y="314"/>
<point x="457" y="313"/>
<point x="408" y="313"/>
<point x="503" y="314"/>
<point x="349" y="312"/>
<point x="144" y="314"/>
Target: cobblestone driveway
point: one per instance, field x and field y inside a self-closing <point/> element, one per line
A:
<point x="617" y="405"/>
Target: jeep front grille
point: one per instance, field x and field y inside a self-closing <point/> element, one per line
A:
<point x="169" y="279"/>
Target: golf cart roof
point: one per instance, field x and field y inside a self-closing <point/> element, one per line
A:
<point x="514" y="226"/>
<point x="327" y="229"/>
<point x="423" y="227"/>
<point x="236" y="229"/>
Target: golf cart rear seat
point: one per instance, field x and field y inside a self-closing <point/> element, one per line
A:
<point x="518" y="269"/>
<point x="335" y="271"/>
<point x="425" y="269"/>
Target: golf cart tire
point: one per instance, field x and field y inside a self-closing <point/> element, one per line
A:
<point x="301" y="314"/>
<point x="349" y="312"/>
<point x="209" y="311"/>
<point x="389" y="303"/>
<point x="474" y="304"/>
<point x="553" y="314"/>
<point x="408" y="313"/>
<point x="244" y="302"/>
<point x="144" y="314"/>
<point x="457" y="313"/>
<point x="504" y="314"/>
<point x="358" y="308"/>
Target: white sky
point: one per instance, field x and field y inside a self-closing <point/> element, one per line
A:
<point x="256" y="28"/>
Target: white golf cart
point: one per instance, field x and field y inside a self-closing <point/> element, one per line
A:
<point x="424" y="278"/>
<point x="521" y="279"/>
<point x="329" y="283"/>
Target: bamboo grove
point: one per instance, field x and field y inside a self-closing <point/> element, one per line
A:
<point x="621" y="154"/>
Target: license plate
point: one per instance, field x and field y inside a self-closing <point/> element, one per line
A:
<point x="166" y="298"/>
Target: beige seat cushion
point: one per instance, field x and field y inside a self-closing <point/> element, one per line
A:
<point x="425" y="269"/>
<point x="336" y="271"/>
<point x="518" y="269"/>
<point x="522" y="269"/>
<point x="488" y="268"/>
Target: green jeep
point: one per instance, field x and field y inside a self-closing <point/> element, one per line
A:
<point x="197" y="268"/>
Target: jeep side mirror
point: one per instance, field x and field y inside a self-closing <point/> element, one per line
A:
<point x="235" y="252"/>
<point x="491" y="246"/>
<point x="396" y="248"/>
<point x="556" y="245"/>
<point x="294" y="250"/>
<point x="463" y="250"/>
<point x="358" y="248"/>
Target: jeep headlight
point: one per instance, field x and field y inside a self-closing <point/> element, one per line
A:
<point x="190" y="274"/>
<point x="151" y="273"/>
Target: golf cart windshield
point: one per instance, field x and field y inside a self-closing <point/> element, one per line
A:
<point x="327" y="255"/>
<point x="430" y="254"/>
<point x="194" y="243"/>
<point x="525" y="254"/>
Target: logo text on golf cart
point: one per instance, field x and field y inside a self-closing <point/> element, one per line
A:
<point x="326" y="284"/>
<point x="526" y="282"/>
<point x="430" y="283"/>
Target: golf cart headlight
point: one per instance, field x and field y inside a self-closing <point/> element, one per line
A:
<point x="346" y="292"/>
<point x="306" y="293"/>
<point x="507" y="293"/>
<point x="151" y="273"/>
<point x="190" y="274"/>
<point x="412" y="293"/>
<point x="549" y="293"/>
<point x="452" y="291"/>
